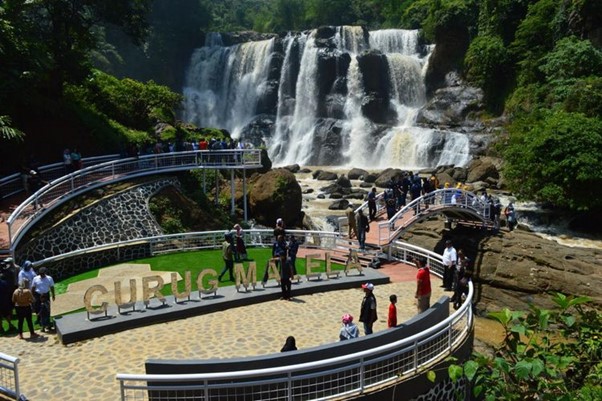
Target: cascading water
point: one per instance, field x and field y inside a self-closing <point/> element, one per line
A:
<point x="344" y="96"/>
<point x="224" y="84"/>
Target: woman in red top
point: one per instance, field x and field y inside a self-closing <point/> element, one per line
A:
<point x="423" y="286"/>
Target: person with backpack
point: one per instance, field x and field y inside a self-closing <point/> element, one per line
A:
<point x="228" y="256"/>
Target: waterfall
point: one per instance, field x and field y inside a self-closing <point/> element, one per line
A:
<point x="319" y="108"/>
<point x="395" y="41"/>
<point x="224" y="84"/>
<point x="303" y="121"/>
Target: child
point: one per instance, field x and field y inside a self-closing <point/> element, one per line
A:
<point x="349" y="329"/>
<point x="392" y="320"/>
<point x="44" y="313"/>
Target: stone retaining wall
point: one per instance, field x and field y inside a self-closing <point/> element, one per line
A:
<point x="120" y="217"/>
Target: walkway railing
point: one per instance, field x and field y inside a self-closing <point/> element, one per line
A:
<point x="71" y="185"/>
<point x="13" y="184"/>
<point x="436" y="201"/>
<point x="202" y="240"/>
<point x="9" y="376"/>
<point x="346" y="375"/>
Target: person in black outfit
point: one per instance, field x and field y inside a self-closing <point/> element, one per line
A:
<point x="289" y="345"/>
<point x="372" y="204"/>
<point x="293" y="248"/>
<point x="368" y="309"/>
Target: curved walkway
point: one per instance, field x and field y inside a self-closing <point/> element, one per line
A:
<point x="51" y="371"/>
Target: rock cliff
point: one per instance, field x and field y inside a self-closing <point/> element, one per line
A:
<point x="515" y="268"/>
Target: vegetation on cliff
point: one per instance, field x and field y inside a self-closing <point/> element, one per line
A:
<point x="547" y="354"/>
<point x="538" y="61"/>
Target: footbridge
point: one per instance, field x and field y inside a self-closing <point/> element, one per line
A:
<point x="457" y="205"/>
<point x="66" y="187"/>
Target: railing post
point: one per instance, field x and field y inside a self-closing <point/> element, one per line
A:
<point x="449" y="337"/>
<point x="16" y="373"/>
<point x="415" y="356"/>
<point x="244" y="193"/>
<point x="362" y="375"/>
<point x="290" y="386"/>
<point x="232" y="209"/>
<point x="122" y="390"/>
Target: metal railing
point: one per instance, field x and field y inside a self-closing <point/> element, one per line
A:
<point x="436" y="201"/>
<point x="71" y="185"/>
<point x="331" y="378"/>
<point x="13" y="184"/>
<point x="201" y="240"/>
<point x="9" y="376"/>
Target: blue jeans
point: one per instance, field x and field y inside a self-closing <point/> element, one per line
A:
<point x="368" y="328"/>
<point x="361" y="237"/>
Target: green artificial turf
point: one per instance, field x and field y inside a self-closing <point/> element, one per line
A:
<point x="195" y="262"/>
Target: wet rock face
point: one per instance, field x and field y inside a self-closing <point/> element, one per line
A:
<point x="515" y="268"/>
<point x="451" y="107"/>
<point x="375" y="73"/>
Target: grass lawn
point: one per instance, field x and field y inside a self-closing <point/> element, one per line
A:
<point x="195" y="262"/>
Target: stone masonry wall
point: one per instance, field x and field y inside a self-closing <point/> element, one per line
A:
<point x="123" y="216"/>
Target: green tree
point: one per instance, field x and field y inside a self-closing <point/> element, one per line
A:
<point x="61" y="33"/>
<point x="572" y="58"/>
<point x="556" y="159"/>
<point x="545" y="355"/>
<point x="487" y="65"/>
<point x="7" y="132"/>
<point x="131" y="103"/>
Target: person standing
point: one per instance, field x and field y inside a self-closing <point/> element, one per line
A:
<point x="76" y="159"/>
<point x="368" y="313"/>
<point x="510" y="216"/>
<point x="293" y="248"/>
<point x="372" y="204"/>
<point x="279" y="229"/>
<point x="42" y="284"/>
<point x="363" y="226"/>
<point x="392" y="318"/>
<point x="352" y="226"/>
<point x="349" y="329"/>
<point x="27" y="272"/>
<point x="23" y="300"/>
<point x="450" y="258"/>
<point x="286" y="272"/>
<point x="423" y="286"/>
<point x="67" y="161"/>
<point x="6" y="303"/>
<point x="228" y="256"/>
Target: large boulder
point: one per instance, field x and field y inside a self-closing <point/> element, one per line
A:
<point x="383" y="179"/>
<point x="275" y="194"/>
<point x="357" y="174"/>
<point x="482" y="170"/>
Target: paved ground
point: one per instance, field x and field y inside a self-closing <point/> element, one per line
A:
<point x="86" y="370"/>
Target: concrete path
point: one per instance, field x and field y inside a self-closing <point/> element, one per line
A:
<point x="86" y="370"/>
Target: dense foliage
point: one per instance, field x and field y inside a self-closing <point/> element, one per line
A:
<point x="538" y="61"/>
<point x="545" y="355"/>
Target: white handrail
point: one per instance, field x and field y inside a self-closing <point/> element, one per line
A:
<point x="71" y="185"/>
<point x="11" y="364"/>
<point x="325" y="367"/>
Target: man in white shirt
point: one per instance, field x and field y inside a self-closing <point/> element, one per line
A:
<point x="26" y="272"/>
<point x="450" y="259"/>
<point x="42" y="284"/>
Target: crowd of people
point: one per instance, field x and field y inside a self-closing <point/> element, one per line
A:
<point x="25" y="292"/>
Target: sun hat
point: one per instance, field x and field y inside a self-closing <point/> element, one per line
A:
<point x="368" y="286"/>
